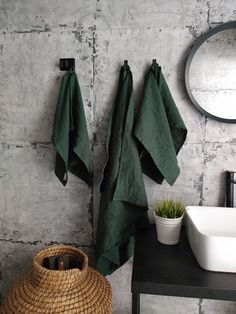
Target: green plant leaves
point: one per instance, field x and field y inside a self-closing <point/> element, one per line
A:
<point x="169" y="208"/>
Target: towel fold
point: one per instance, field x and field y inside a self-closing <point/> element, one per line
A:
<point x="159" y="129"/>
<point x="70" y="135"/>
<point x="123" y="206"/>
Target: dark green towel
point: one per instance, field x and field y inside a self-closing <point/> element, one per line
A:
<point x="123" y="206"/>
<point x="159" y="129"/>
<point x="70" y="135"/>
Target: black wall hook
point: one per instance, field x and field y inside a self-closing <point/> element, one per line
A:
<point x="125" y="62"/>
<point x="67" y="64"/>
<point x="154" y="61"/>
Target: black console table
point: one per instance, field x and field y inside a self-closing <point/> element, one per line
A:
<point x="173" y="271"/>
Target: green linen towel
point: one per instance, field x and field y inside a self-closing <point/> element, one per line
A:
<point x="70" y="135"/>
<point x="159" y="129"/>
<point x="123" y="206"/>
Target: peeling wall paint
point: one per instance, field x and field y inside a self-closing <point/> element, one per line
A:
<point x="35" y="209"/>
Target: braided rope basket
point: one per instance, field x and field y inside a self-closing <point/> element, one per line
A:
<point x="75" y="290"/>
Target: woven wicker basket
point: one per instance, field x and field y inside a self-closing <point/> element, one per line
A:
<point x="75" y="290"/>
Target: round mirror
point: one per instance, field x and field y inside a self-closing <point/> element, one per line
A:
<point x="210" y="73"/>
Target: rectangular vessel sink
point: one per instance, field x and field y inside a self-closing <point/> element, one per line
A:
<point x="211" y="232"/>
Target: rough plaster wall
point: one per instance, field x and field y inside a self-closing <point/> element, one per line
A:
<point x="35" y="209"/>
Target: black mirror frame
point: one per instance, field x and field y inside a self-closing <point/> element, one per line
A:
<point x="196" y="46"/>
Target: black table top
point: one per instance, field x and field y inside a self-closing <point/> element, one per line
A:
<point x="174" y="271"/>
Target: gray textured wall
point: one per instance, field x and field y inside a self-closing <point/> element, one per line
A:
<point x="35" y="209"/>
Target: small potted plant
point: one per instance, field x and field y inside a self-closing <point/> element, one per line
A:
<point x="168" y="216"/>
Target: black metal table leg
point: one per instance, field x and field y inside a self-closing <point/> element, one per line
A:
<point x="135" y="303"/>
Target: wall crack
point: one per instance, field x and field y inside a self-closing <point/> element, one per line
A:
<point x="200" y="307"/>
<point x="208" y="13"/>
<point x="11" y="240"/>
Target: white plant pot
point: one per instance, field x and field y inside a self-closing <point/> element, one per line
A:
<point x="168" y="229"/>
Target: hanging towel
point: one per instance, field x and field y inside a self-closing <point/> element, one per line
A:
<point x="70" y="135"/>
<point x="159" y="129"/>
<point x="123" y="207"/>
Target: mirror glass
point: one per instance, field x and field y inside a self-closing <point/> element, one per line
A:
<point x="212" y="75"/>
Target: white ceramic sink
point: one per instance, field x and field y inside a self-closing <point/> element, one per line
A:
<point x="211" y="232"/>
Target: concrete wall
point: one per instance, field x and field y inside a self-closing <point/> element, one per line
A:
<point x="35" y="209"/>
